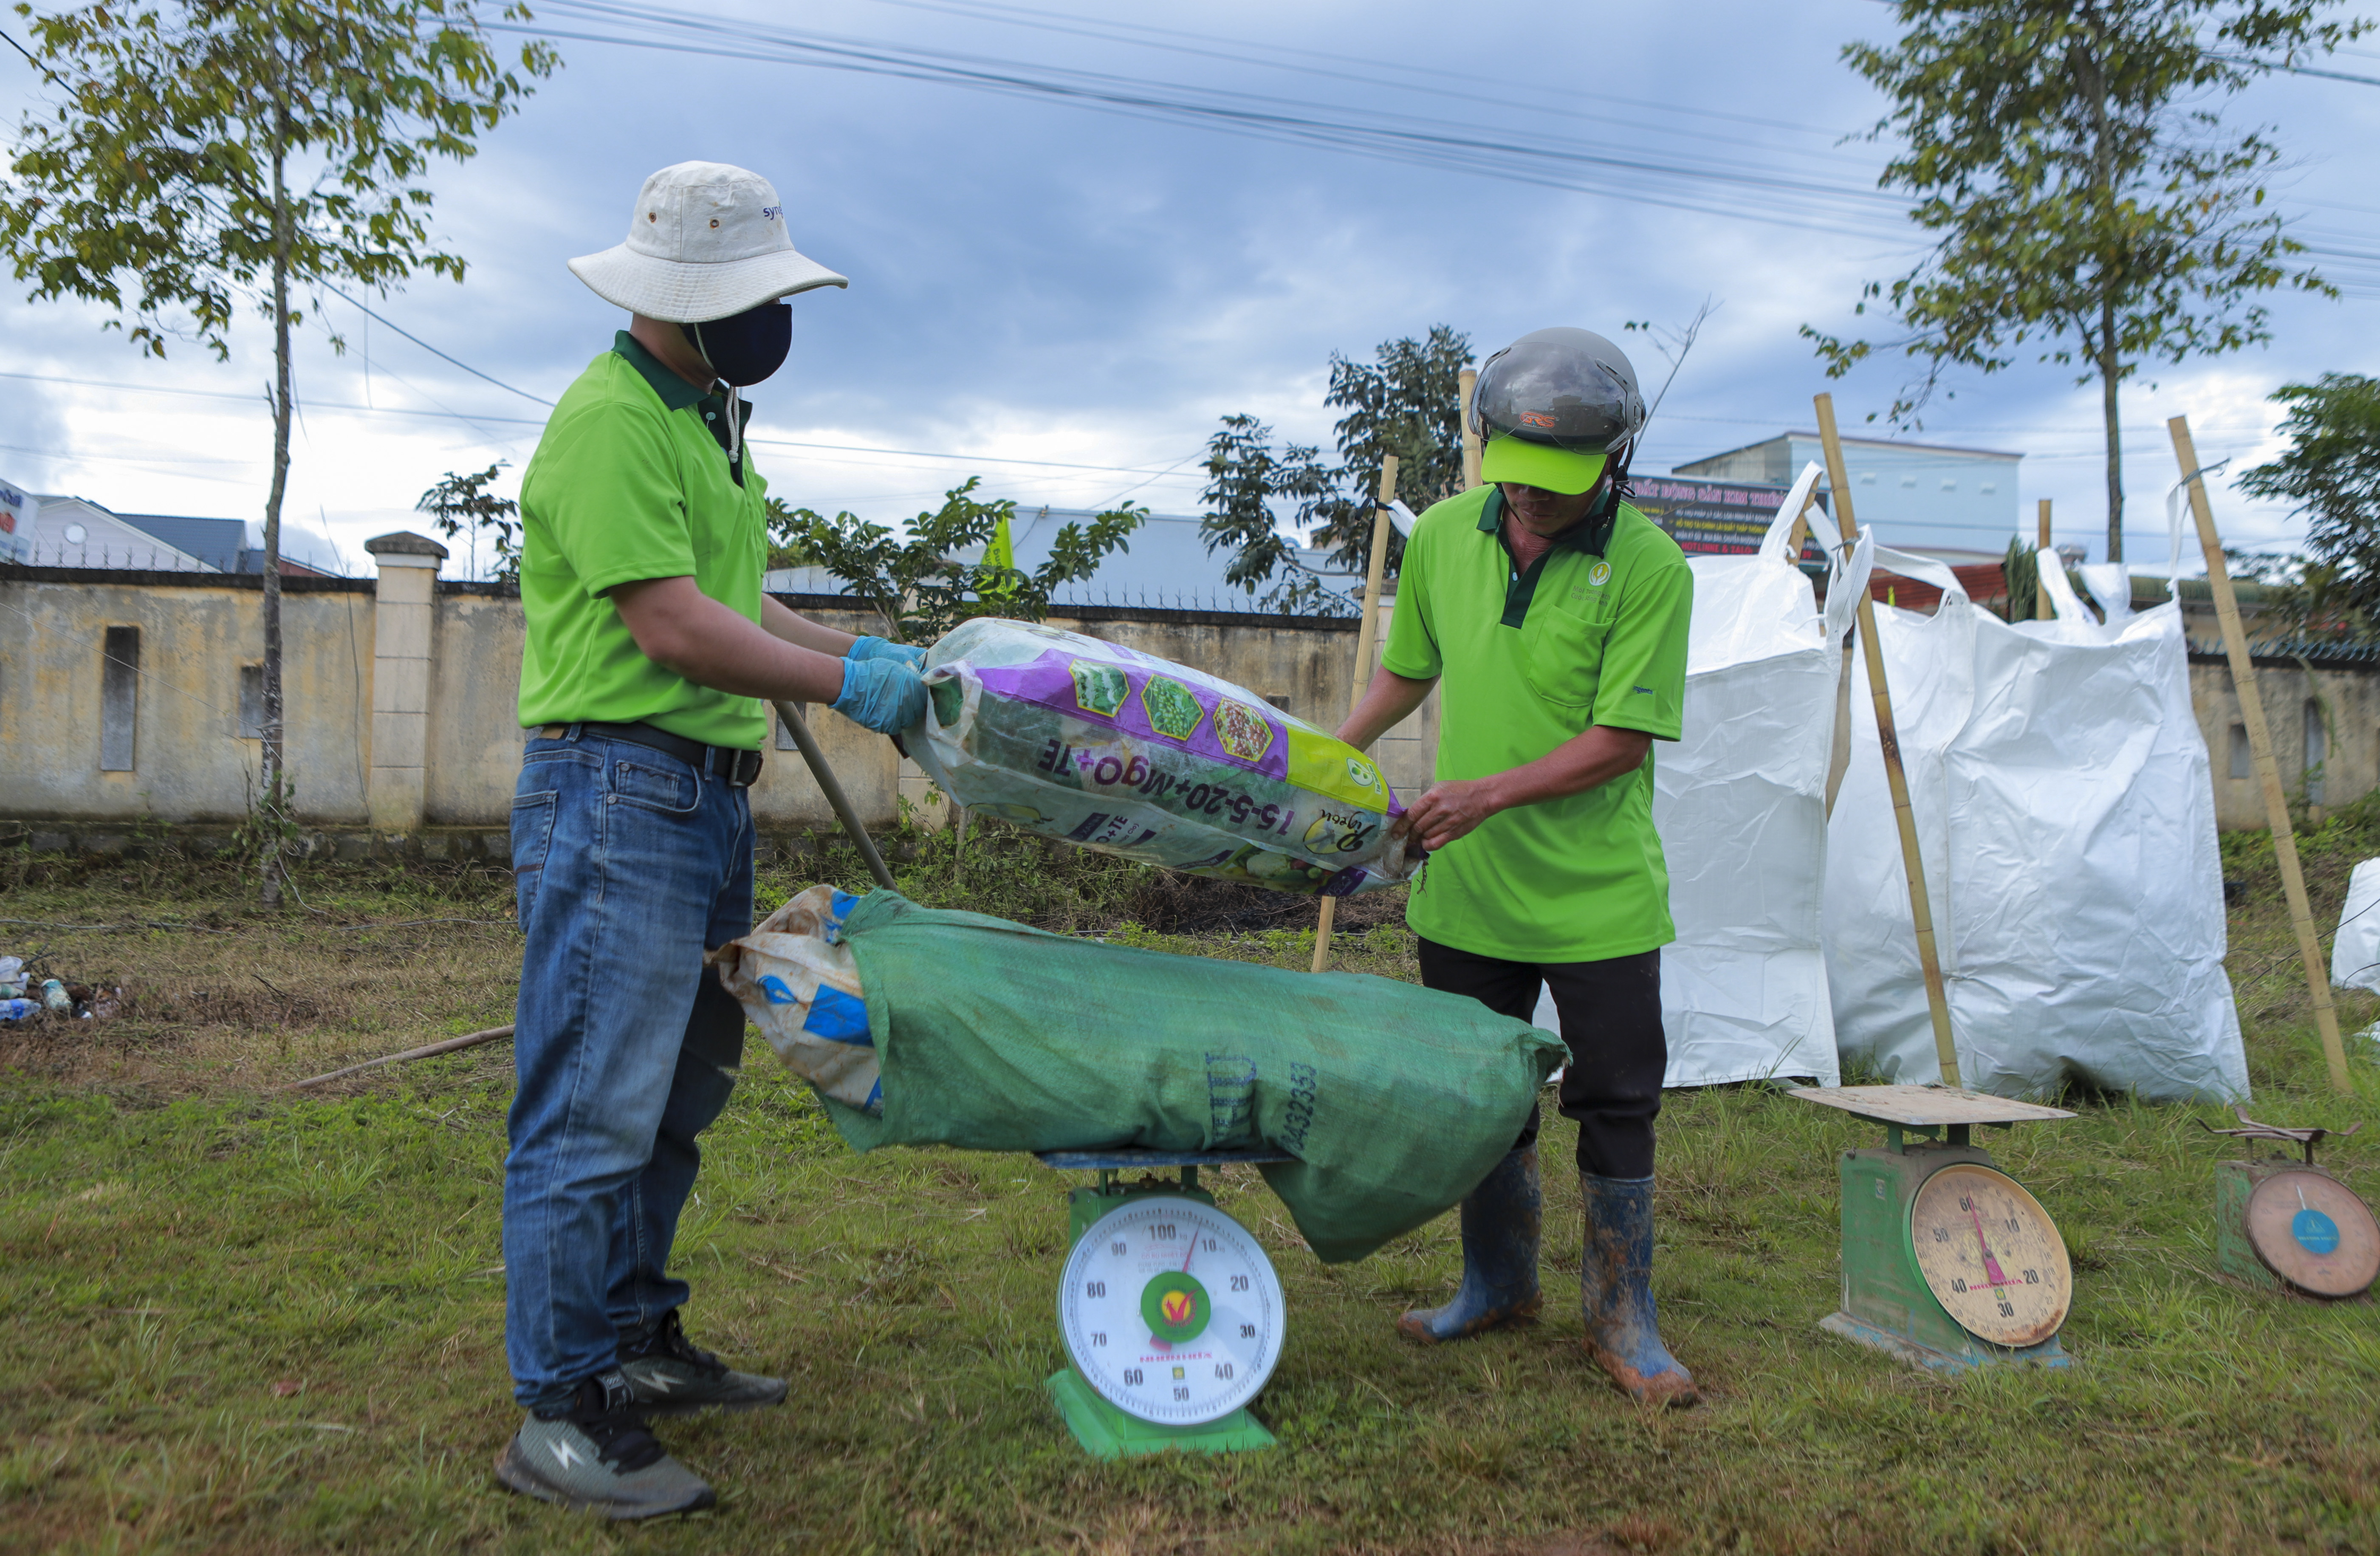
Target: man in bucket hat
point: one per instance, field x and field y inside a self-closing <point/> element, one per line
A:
<point x="650" y="651"/>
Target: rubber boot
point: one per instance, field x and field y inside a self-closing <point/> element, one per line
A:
<point x="1501" y="1219"/>
<point x="1623" y="1334"/>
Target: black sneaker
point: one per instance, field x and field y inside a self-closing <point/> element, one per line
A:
<point x="596" y="1455"/>
<point x="673" y="1376"/>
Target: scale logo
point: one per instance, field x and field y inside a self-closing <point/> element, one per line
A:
<point x="1177" y="1307"/>
<point x="2315" y="1232"/>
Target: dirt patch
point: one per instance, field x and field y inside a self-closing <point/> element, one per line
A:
<point x="1169" y="904"/>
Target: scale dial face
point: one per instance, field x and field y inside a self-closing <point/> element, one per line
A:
<point x="1991" y="1255"/>
<point x="2312" y="1232"/>
<point x="1171" y="1311"/>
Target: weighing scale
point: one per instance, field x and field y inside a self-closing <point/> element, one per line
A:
<point x="1948" y="1262"/>
<point x="1170" y="1311"/>
<point x="2290" y="1226"/>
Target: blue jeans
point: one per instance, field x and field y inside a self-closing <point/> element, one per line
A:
<point x="629" y="865"/>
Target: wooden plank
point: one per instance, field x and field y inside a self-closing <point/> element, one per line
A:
<point x="2260" y="751"/>
<point x="1921" y="908"/>
<point x="1374" y="571"/>
<point x="1924" y="1105"/>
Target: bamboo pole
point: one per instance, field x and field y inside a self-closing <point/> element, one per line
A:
<point x="1912" y="864"/>
<point x="1469" y="379"/>
<point x="1364" y="636"/>
<point x="2040" y="595"/>
<point x="2260" y="749"/>
<point x="806" y="742"/>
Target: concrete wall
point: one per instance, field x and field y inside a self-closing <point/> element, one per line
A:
<point x="402" y="692"/>
<point x="401" y="701"/>
<point x="2330" y="716"/>
<point x="197" y="630"/>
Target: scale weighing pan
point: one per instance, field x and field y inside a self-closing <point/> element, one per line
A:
<point x="1948" y="1263"/>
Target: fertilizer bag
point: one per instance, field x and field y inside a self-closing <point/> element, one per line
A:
<point x="1740" y="805"/>
<point x="1091" y="743"/>
<point x="1394" y="1100"/>
<point x="2066" y="818"/>
<point x="2355" y="950"/>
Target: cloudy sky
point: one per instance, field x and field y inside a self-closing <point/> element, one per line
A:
<point x="1075" y="240"/>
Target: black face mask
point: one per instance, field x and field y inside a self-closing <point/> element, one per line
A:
<point x="746" y="347"/>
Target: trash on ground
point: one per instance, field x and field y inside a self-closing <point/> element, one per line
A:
<point x="25" y="994"/>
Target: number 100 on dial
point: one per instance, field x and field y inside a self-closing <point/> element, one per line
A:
<point x="1171" y="1311"/>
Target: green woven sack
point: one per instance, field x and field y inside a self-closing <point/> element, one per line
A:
<point x="1395" y="1099"/>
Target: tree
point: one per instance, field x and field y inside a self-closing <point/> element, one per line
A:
<point x="2331" y="475"/>
<point x="2089" y="205"/>
<point x="1408" y="403"/>
<point x="460" y="503"/>
<point x="208" y="149"/>
<point x="916" y="581"/>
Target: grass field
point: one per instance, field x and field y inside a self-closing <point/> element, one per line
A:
<point x="239" y="1319"/>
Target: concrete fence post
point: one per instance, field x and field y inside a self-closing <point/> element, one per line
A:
<point x="402" y="611"/>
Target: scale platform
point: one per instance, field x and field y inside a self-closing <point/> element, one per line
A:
<point x="1105" y="1429"/>
<point x="1927" y="1223"/>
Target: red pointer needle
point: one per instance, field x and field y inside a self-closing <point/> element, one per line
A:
<point x="1991" y="1265"/>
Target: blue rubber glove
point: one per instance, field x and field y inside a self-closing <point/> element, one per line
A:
<point x="883" y="695"/>
<point x="866" y="649"/>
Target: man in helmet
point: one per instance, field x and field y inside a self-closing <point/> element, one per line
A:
<point x="1555" y="616"/>
<point x="651" y="652"/>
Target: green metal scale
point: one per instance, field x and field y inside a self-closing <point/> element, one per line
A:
<point x="1171" y="1313"/>
<point x="1948" y="1263"/>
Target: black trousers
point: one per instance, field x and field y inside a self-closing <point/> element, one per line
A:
<point x="1611" y="1018"/>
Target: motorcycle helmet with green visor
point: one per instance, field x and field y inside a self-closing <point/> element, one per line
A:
<point x="1555" y="408"/>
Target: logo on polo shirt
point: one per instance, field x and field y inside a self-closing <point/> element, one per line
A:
<point x="1599" y="575"/>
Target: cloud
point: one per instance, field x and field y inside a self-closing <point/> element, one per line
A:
<point x="1040" y="282"/>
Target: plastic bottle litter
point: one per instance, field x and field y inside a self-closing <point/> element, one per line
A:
<point x="55" y="997"/>
<point x="12" y="977"/>
<point x="17" y="1009"/>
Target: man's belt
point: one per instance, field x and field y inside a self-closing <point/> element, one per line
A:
<point x="734" y="767"/>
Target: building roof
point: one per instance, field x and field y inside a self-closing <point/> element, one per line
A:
<point x="215" y="541"/>
<point x="1871" y="443"/>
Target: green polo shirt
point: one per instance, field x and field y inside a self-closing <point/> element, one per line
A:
<point x="1526" y="660"/>
<point x="632" y="481"/>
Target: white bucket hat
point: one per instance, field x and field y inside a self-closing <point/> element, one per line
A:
<point x="706" y="240"/>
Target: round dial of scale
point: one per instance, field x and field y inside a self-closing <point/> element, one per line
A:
<point x="1991" y="1255"/>
<point x="1171" y="1311"/>
<point x="2312" y="1232"/>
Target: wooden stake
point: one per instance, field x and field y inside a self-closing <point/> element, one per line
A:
<point x="2260" y="749"/>
<point x="1364" y="636"/>
<point x="2041" y="596"/>
<point x="815" y="759"/>
<point x="1912" y="864"/>
<point x="1469" y="379"/>
<point x="451" y="1045"/>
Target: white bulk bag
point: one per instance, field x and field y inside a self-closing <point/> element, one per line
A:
<point x="1740" y="802"/>
<point x="2065" y="813"/>
<point x="2355" y="951"/>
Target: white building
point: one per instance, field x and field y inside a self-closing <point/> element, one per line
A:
<point x="1914" y="492"/>
<point x="78" y="532"/>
